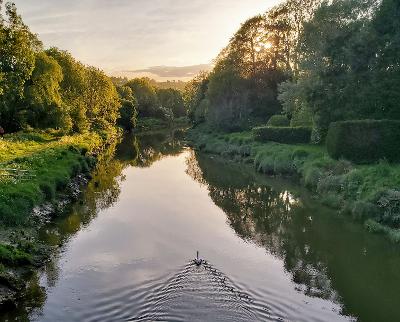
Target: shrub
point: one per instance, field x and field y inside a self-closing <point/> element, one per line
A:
<point x="364" y="141"/>
<point x="278" y="120"/>
<point x="289" y="135"/>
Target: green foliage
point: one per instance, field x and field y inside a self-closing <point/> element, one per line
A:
<point x="127" y="114"/>
<point x="49" y="89"/>
<point x="364" y="141"/>
<point x="12" y="256"/>
<point x="278" y="120"/>
<point x="194" y="97"/>
<point x="43" y="97"/>
<point x="283" y="134"/>
<point x="172" y="99"/>
<point x="145" y="95"/>
<point x="17" y="62"/>
<point x="227" y="98"/>
<point x="101" y="99"/>
<point x="72" y="88"/>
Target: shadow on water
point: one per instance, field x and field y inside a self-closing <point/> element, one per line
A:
<point x="326" y="255"/>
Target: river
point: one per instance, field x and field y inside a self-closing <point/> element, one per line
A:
<point x="271" y="252"/>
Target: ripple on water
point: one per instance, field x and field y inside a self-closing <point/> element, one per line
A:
<point x="204" y="290"/>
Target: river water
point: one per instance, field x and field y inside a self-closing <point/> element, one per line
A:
<point x="271" y="252"/>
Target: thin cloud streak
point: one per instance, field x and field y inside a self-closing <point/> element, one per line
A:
<point x="134" y="34"/>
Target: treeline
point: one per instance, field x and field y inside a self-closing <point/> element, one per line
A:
<point x="314" y="61"/>
<point x="48" y="88"/>
<point x="142" y="98"/>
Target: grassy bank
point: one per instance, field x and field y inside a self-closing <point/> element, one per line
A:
<point x="35" y="166"/>
<point x="35" y="169"/>
<point x="369" y="193"/>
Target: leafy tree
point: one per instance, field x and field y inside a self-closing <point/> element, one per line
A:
<point x="128" y="110"/>
<point x="101" y="99"/>
<point x="17" y="62"/>
<point x="227" y="96"/>
<point x="172" y="99"/>
<point x="146" y="96"/>
<point x="194" y="97"/>
<point x="42" y="95"/>
<point x="72" y="88"/>
<point x="127" y="114"/>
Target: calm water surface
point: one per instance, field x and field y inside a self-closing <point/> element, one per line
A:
<point x="272" y="253"/>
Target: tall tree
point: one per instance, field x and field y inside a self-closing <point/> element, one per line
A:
<point x="146" y="96"/>
<point x="17" y="62"/>
<point x="172" y="99"/>
<point x="42" y="95"/>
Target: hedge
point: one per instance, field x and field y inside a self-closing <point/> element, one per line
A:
<point x="289" y="135"/>
<point x="278" y="120"/>
<point x="364" y="141"/>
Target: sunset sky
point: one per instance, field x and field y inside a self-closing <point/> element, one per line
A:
<point x="121" y="36"/>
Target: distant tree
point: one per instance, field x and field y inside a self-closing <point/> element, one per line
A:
<point x="194" y="97"/>
<point x="128" y="110"/>
<point x="101" y="99"/>
<point x="172" y="99"/>
<point x="145" y="95"/>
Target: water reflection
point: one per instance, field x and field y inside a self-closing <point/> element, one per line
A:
<point x="327" y="256"/>
<point x="102" y="192"/>
<point x="139" y="273"/>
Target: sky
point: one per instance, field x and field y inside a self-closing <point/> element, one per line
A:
<point x="163" y="39"/>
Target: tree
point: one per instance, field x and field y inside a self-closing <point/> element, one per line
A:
<point x="42" y="95"/>
<point x="128" y="110"/>
<point x="17" y="62"/>
<point x="72" y="88"/>
<point x="194" y="97"/>
<point x="172" y="99"/>
<point x="337" y="58"/>
<point x="146" y="96"/>
<point x="101" y="99"/>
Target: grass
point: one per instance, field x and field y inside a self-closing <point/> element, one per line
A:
<point x="369" y="193"/>
<point x="35" y="166"/>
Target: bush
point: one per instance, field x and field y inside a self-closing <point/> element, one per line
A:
<point x="278" y="120"/>
<point x="364" y="141"/>
<point x="289" y="135"/>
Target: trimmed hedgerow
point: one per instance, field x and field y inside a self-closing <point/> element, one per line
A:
<point x="364" y="141"/>
<point x="289" y="135"/>
<point x="278" y="120"/>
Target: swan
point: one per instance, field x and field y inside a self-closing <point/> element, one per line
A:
<point x="198" y="261"/>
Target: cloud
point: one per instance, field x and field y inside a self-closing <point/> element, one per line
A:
<point x="118" y="35"/>
<point x="173" y="71"/>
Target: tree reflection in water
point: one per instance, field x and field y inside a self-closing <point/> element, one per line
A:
<point x="327" y="255"/>
<point x="102" y="192"/>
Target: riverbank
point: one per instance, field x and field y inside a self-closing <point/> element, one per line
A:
<point x="40" y="173"/>
<point x="368" y="193"/>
